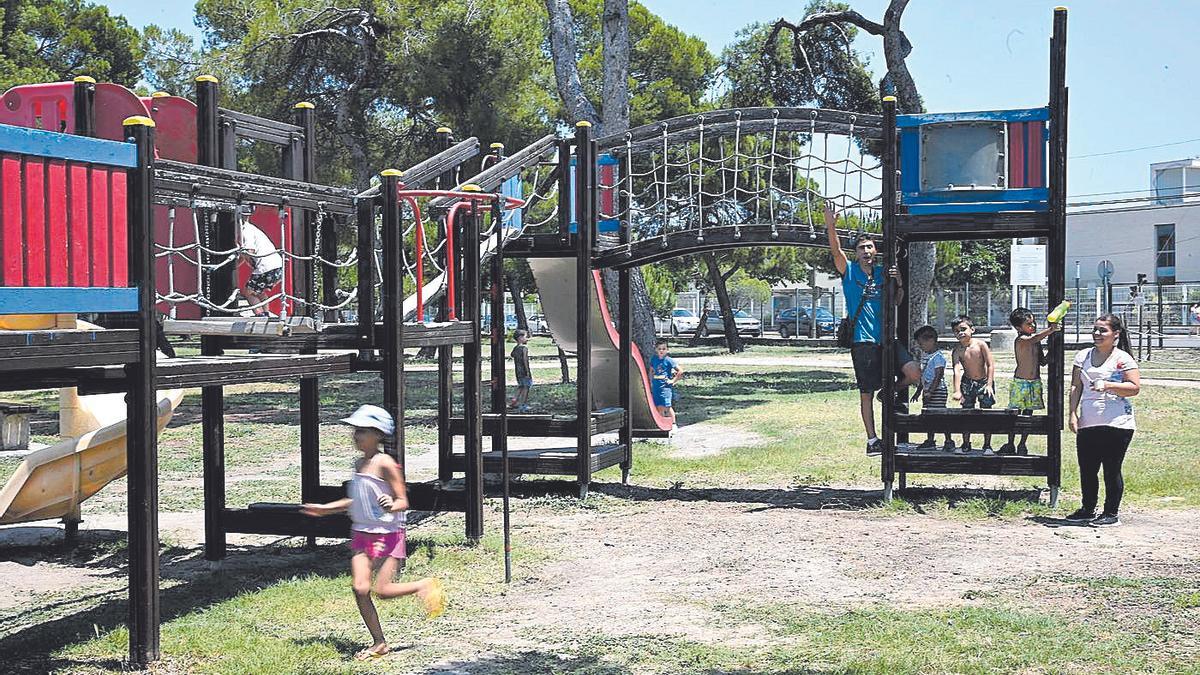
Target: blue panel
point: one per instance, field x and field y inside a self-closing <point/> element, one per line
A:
<point x="976" y="196"/>
<point x="67" y="300"/>
<point x="601" y="225"/>
<point x="978" y="207"/>
<point x="513" y="187"/>
<point x="1020" y="115"/>
<point x="42" y="143"/>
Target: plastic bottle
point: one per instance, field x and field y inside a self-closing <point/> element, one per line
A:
<point x="1056" y="315"/>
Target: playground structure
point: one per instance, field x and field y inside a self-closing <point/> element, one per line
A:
<point x="97" y="213"/>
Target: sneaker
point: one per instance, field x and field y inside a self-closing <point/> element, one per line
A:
<point x="988" y="451"/>
<point x="927" y="445"/>
<point x="1081" y="515"/>
<point x="1006" y="449"/>
<point x="875" y="448"/>
<point x="965" y="447"/>
<point x="1022" y="449"/>
<point x="947" y="446"/>
<point x="1106" y="520"/>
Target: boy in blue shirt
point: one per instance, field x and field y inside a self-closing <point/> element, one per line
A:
<point x="664" y="374"/>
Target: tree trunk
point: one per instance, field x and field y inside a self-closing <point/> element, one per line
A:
<point x="566" y="71"/>
<point x="562" y="363"/>
<point x="614" y="99"/>
<point x="515" y="292"/>
<point x="732" y="340"/>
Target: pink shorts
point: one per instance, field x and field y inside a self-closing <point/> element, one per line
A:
<point x="390" y="545"/>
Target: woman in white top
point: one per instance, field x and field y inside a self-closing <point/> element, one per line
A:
<point x="1105" y="377"/>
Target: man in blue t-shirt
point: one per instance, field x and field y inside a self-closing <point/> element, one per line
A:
<point x="862" y="283"/>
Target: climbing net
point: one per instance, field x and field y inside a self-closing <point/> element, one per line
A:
<point x="734" y="168"/>
<point x="189" y="259"/>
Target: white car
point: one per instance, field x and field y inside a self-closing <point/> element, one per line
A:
<point x="684" y="321"/>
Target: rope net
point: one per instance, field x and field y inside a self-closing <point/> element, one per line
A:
<point x="777" y="171"/>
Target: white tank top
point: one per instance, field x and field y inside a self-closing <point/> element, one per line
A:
<point x="366" y="515"/>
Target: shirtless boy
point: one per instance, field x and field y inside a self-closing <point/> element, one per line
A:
<point x="974" y="376"/>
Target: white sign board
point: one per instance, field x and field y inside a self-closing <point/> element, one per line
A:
<point x="1028" y="265"/>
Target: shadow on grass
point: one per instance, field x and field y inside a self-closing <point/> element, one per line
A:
<point x="94" y="549"/>
<point x="1055" y="523"/>
<point x="990" y="502"/>
<point x="807" y="497"/>
<point x="30" y="649"/>
<point x="530" y="662"/>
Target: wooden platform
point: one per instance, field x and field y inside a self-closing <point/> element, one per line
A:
<point x="347" y="336"/>
<point x="955" y="420"/>
<point x="258" y="326"/>
<point x="910" y="460"/>
<point x="607" y="420"/>
<point x="545" y="461"/>
<point x="66" y="348"/>
<point x="194" y="371"/>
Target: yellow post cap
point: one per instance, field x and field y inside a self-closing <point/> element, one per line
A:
<point x="1060" y="8"/>
<point x="890" y="98"/>
<point x="496" y="146"/>
<point x="443" y="130"/>
<point x="583" y="123"/>
<point x="138" y="121"/>
<point x="304" y="105"/>
<point x="85" y="78"/>
<point x="160" y="94"/>
<point x="391" y="172"/>
<point x="207" y="78"/>
<point x="471" y="187"/>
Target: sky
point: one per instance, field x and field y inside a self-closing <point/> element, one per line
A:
<point x="1127" y="69"/>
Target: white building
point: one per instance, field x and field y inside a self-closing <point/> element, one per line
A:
<point x="1158" y="237"/>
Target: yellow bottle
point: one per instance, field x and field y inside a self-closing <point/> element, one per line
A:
<point x="1056" y="315"/>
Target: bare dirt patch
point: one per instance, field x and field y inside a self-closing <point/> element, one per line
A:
<point x="705" y="439"/>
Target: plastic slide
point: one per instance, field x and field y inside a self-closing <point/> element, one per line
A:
<point x="51" y="482"/>
<point x="556" y="285"/>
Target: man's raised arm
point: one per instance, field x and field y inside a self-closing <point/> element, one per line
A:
<point x="835" y="245"/>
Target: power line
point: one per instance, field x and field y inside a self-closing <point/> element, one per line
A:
<point x="1145" y="147"/>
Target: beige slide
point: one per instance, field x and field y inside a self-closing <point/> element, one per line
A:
<point x="556" y="286"/>
<point x="51" y="482"/>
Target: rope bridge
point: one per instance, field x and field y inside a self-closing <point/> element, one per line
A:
<point x="738" y="177"/>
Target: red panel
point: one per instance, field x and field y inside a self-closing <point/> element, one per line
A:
<point x="12" y="227"/>
<point x="1016" y="155"/>
<point x="101" y="236"/>
<point x="79" y="224"/>
<point x="607" y="176"/>
<point x="120" y="229"/>
<point x="35" y="221"/>
<point x="56" y="209"/>
<point x="1036" y="162"/>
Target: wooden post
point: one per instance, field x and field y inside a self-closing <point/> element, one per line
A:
<point x="585" y="162"/>
<point x="84" y="95"/>
<point x="212" y="398"/>
<point x="1056" y="286"/>
<point x="500" y="380"/>
<point x="472" y="402"/>
<point x="365" y="217"/>
<point x="890" y="248"/>
<point x="302" y="166"/>
<point x="625" y="331"/>
<point x="142" y="407"/>
<point x="392" y="298"/>
<point x="565" y="195"/>
<point x="445" y="353"/>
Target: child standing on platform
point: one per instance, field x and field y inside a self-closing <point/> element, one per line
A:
<point x="266" y="265"/>
<point x="1025" y="390"/>
<point x="520" y="357"/>
<point x="932" y="392"/>
<point x="977" y="383"/>
<point x="665" y="374"/>
<point x="377" y="502"/>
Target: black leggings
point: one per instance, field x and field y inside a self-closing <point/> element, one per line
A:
<point x="1096" y="447"/>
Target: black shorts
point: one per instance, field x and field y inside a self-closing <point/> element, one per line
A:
<point x="868" y="364"/>
<point x="261" y="282"/>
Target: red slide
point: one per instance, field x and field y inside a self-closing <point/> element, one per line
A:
<point x="556" y="286"/>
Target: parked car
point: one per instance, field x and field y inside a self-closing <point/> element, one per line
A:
<point x="746" y="324"/>
<point x="510" y="322"/>
<point x="538" y="325"/>
<point x="787" y="322"/>
<point x="683" y="321"/>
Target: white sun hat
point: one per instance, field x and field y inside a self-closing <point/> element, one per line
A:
<point x="372" y="417"/>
